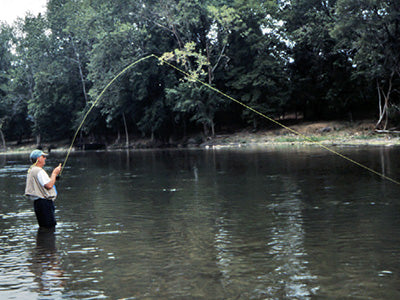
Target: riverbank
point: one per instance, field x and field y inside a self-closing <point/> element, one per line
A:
<point x="334" y="133"/>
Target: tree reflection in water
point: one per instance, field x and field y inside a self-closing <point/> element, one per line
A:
<point x="291" y="275"/>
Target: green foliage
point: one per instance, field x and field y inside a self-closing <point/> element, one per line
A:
<point x="5" y="69"/>
<point x="368" y="30"/>
<point x="5" y="58"/>
<point x="321" y="74"/>
<point x="154" y="117"/>
<point x="324" y="58"/>
<point x="257" y="73"/>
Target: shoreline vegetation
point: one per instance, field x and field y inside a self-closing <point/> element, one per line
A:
<point x="328" y="133"/>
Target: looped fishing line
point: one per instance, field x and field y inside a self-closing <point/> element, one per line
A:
<point x="162" y="61"/>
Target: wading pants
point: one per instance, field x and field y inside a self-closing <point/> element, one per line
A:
<point x="44" y="210"/>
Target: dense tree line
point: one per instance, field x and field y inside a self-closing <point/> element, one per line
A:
<point x="322" y="59"/>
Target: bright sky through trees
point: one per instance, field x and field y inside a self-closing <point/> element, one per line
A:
<point x="10" y="10"/>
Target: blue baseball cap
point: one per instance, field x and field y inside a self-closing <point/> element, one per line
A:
<point x="35" y="154"/>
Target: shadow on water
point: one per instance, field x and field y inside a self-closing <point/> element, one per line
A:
<point x="45" y="264"/>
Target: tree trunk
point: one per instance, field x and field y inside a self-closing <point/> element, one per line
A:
<point x="118" y="137"/>
<point x="205" y="129"/>
<point x="78" y="61"/>
<point x="212" y="129"/>
<point x="2" y="139"/>
<point x="126" y="131"/>
<point x="38" y="140"/>
<point x="255" y="124"/>
<point x="210" y="76"/>
<point x="383" y="112"/>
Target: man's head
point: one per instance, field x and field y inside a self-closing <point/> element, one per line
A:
<point x="37" y="154"/>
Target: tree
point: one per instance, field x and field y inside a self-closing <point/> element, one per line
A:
<point x="322" y="86"/>
<point x="43" y="68"/>
<point x="274" y="56"/>
<point x="370" y="31"/>
<point x="70" y="22"/>
<point x="5" y="68"/>
<point x="190" y="98"/>
<point x="120" y="40"/>
<point x="257" y="69"/>
<point x="187" y="24"/>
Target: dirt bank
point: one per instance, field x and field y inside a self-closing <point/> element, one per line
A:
<point x="327" y="133"/>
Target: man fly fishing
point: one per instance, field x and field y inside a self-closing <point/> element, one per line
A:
<point x="41" y="189"/>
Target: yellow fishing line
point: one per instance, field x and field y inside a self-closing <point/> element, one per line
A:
<point x="34" y="165"/>
<point x="162" y="61"/>
<point x="280" y="124"/>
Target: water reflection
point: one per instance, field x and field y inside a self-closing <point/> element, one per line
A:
<point x="224" y="256"/>
<point x="292" y="278"/>
<point x="46" y="264"/>
<point x="265" y="242"/>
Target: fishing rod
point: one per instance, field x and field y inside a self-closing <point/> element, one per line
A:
<point x="163" y="61"/>
<point x="96" y="101"/>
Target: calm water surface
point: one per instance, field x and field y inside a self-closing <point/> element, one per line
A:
<point x="297" y="223"/>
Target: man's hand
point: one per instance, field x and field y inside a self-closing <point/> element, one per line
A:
<point x="53" y="177"/>
<point x="57" y="170"/>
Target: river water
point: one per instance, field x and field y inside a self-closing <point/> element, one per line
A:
<point x="276" y="223"/>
